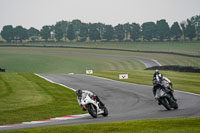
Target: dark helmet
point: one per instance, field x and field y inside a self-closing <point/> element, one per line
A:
<point x="79" y="92"/>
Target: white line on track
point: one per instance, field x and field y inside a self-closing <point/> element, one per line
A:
<point x="54" y="82"/>
<point x="156" y="62"/>
<point x="111" y="80"/>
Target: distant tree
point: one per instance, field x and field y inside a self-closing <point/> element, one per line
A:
<point x="119" y="32"/>
<point x="70" y="33"/>
<point x="195" y="20"/>
<point x="101" y="29"/>
<point x="76" y="26"/>
<point x="162" y="30"/>
<point x="176" y="31"/>
<point x="45" y="32"/>
<point x="148" y="30"/>
<point x="83" y="32"/>
<point x="183" y="26"/>
<point x="94" y="33"/>
<point x="108" y="32"/>
<point x="62" y="29"/>
<point x="52" y="32"/>
<point x="20" y="33"/>
<point x="7" y="33"/>
<point x="135" y="31"/>
<point x="190" y="30"/>
<point x="33" y="33"/>
<point x="59" y="32"/>
<point x="198" y="31"/>
<point x="127" y="30"/>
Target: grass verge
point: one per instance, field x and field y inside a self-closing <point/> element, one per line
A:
<point x="175" y="125"/>
<point x="26" y="97"/>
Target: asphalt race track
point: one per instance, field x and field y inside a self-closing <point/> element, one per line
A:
<point x="125" y="101"/>
<point x="146" y="61"/>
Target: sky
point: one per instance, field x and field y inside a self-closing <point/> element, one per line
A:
<point x="37" y="13"/>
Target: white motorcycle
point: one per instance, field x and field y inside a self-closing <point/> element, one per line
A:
<point x="92" y="106"/>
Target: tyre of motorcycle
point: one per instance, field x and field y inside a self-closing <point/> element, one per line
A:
<point x="174" y="104"/>
<point x="164" y="101"/>
<point x="105" y="111"/>
<point x="92" y="110"/>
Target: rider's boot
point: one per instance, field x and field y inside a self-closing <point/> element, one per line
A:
<point x="174" y="98"/>
<point x="101" y="105"/>
<point x="172" y="95"/>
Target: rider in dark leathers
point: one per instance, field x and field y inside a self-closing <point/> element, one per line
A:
<point x="158" y="77"/>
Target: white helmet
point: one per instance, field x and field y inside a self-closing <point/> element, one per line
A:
<point x="157" y="71"/>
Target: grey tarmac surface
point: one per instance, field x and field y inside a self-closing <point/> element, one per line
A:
<point x="125" y="101"/>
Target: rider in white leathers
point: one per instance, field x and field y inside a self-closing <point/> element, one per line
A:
<point x="82" y="93"/>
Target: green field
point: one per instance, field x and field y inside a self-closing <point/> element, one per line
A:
<point x="26" y="97"/>
<point x="58" y="60"/>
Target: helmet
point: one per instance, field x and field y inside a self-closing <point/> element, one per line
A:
<point x="156" y="72"/>
<point x="79" y="92"/>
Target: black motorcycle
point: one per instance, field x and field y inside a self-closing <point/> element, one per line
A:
<point x="163" y="97"/>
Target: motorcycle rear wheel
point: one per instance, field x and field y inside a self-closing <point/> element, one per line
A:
<point x="105" y="112"/>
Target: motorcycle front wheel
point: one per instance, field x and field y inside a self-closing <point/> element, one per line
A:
<point x="165" y="103"/>
<point x="175" y="105"/>
<point x="92" y="110"/>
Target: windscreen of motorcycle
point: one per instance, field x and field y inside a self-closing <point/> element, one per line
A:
<point x="84" y="95"/>
<point x="165" y="84"/>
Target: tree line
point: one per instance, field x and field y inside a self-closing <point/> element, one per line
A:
<point x="80" y="32"/>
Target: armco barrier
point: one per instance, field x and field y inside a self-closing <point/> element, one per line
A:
<point x="2" y="70"/>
